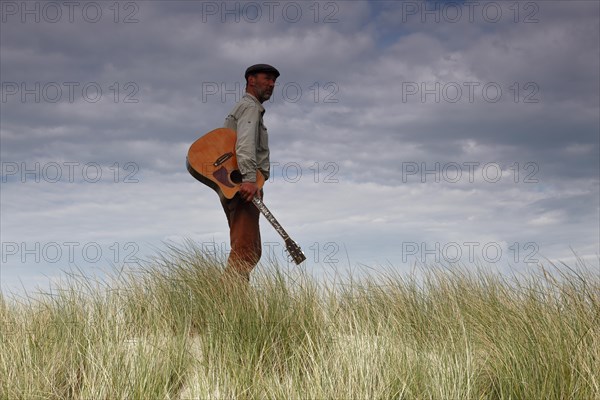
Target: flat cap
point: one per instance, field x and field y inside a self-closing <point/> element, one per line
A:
<point x="256" y="68"/>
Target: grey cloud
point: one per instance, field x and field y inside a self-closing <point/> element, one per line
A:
<point x="367" y="132"/>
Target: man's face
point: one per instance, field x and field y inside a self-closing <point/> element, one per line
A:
<point x="262" y="85"/>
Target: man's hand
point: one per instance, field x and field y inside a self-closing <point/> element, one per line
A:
<point x="248" y="190"/>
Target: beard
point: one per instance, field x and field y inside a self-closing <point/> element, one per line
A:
<point x="264" y="94"/>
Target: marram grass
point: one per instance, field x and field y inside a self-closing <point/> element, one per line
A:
<point x="174" y="330"/>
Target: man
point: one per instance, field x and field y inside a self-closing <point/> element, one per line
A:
<point x="252" y="151"/>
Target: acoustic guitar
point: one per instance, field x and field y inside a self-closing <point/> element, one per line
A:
<point x="211" y="160"/>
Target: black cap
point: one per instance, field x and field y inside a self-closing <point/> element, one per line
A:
<point x="256" y="68"/>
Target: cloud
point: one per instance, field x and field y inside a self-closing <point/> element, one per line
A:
<point x="376" y="112"/>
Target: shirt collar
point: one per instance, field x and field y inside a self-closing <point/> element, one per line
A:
<point x="260" y="106"/>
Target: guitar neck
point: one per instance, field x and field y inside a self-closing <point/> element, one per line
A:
<point x="294" y="251"/>
<point x="269" y="216"/>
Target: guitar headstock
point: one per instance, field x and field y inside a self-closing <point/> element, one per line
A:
<point x="294" y="251"/>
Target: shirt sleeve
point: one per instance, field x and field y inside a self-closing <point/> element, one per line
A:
<point x="247" y="136"/>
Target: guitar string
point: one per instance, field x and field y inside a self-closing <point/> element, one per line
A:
<point x="270" y="217"/>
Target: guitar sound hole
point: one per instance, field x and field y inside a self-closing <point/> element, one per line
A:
<point x="236" y="176"/>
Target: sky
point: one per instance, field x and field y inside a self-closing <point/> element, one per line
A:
<point x="402" y="133"/>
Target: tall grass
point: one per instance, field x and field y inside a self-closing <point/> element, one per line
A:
<point x="175" y="330"/>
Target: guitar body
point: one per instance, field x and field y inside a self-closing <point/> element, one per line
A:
<point x="211" y="159"/>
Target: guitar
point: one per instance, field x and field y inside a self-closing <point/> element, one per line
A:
<point x="211" y="160"/>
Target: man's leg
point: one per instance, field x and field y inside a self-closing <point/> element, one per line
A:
<point x="244" y="233"/>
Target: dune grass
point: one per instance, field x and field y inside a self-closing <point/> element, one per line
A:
<point x="174" y="330"/>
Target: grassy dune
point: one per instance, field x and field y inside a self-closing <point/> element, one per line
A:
<point x="174" y="331"/>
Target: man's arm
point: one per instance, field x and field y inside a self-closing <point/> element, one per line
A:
<point x="245" y="149"/>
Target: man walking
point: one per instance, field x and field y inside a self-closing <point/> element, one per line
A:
<point x="252" y="151"/>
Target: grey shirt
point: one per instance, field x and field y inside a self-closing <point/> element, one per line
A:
<point x="252" y="147"/>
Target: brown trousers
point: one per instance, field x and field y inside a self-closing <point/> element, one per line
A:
<point x="244" y="235"/>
